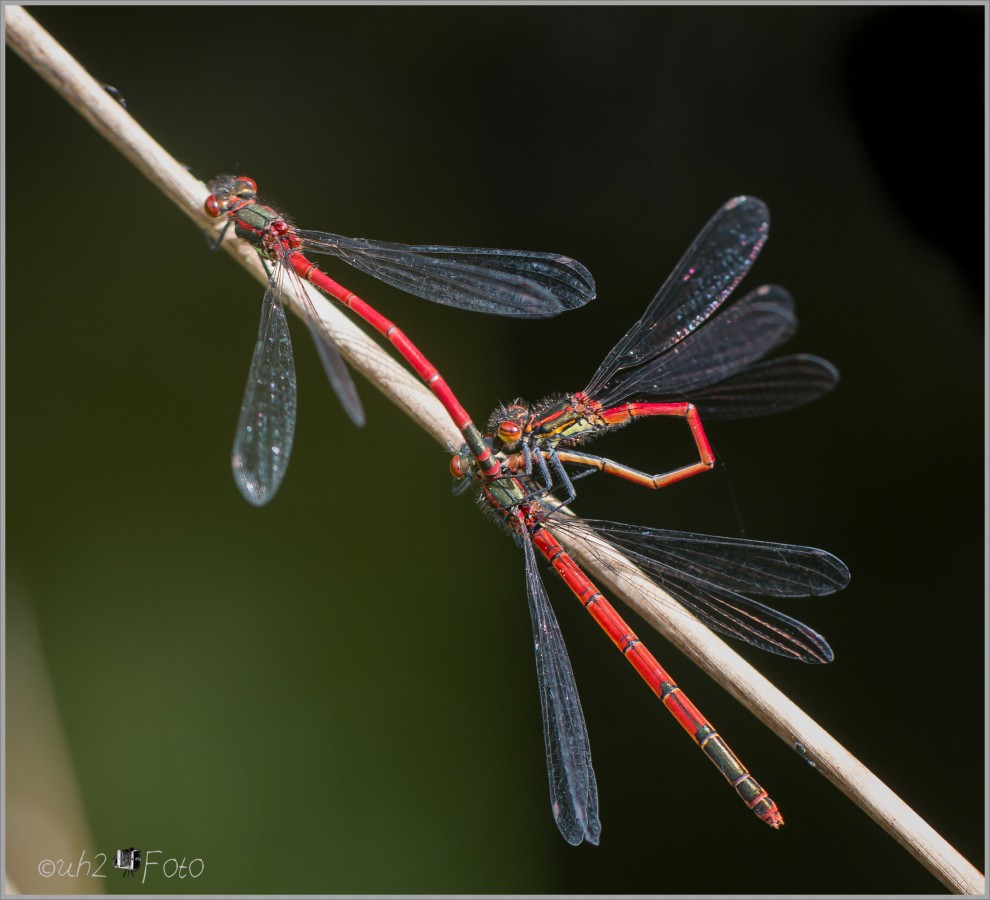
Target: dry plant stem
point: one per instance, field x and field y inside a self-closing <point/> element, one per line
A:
<point x="41" y="52"/>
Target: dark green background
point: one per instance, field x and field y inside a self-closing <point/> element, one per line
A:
<point x="336" y="693"/>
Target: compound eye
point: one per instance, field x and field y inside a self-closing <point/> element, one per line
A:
<point x="455" y="467"/>
<point x="245" y="187"/>
<point x="509" y="432"/>
<point x="212" y="206"/>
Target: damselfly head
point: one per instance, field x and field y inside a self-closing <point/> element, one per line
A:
<point x="461" y="465"/>
<point x="230" y="193"/>
<point x="508" y="424"/>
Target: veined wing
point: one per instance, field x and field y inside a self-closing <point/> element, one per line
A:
<point x="739" y="335"/>
<point x="772" y="386"/>
<point x="708" y="575"/>
<point x="705" y="276"/>
<point x="516" y="283"/>
<point x="267" y="422"/>
<point x="573" y="790"/>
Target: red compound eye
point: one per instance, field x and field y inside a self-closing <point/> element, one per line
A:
<point x="509" y="432"/>
<point x="245" y="187"/>
<point x="211" y="206"/>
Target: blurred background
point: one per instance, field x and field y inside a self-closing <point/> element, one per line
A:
<point x="336" y="693"/>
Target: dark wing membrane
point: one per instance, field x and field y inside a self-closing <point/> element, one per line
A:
<point x="738" y="336"/>
<point x="738" y="564"/>
<point x="573" y="790"/>
<point x="502" y="282"/>
<point x="707" y="574"/>
<point x="710" y="270"/>
<point x="774" y="386"/>
<point x="747" y="620"/>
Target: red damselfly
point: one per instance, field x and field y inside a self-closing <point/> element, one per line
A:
<point x="706" y="574"/>
<point x="503" y="282"/>
<point x="682" y="352"/>
<point x="700" y="361"/>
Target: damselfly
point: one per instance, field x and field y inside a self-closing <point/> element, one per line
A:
<point x="707" y="575"/>
<point x="504" y="282"/>
<point x="699" y="360"/>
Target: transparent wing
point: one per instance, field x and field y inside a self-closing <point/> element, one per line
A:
<point x="516" y="283"/>
<point x="705" y="276"/>
<point x="717" y="366"/>
<point x="267" y="423"/>
<point x="573" y="791"/>
<point x="708" y="575"/>
<point x="773" y="386"/>
<point x="738" y="336"/>
<point x="337" y="373"/>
